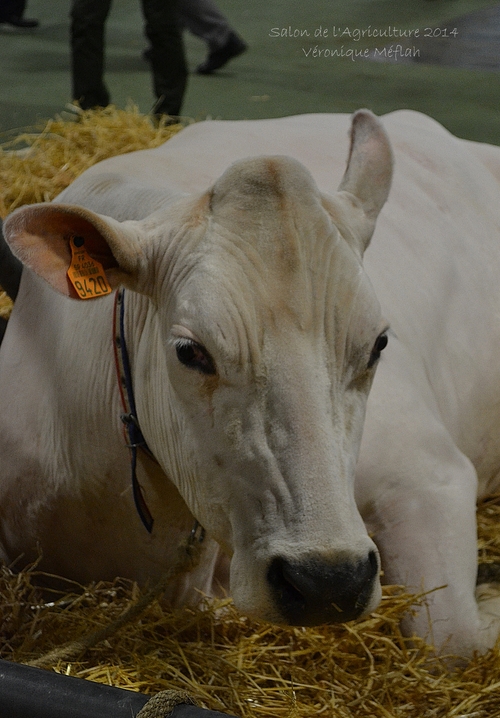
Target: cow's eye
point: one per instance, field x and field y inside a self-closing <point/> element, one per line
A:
<point x="194" y="356"/>
<point x="378" y="347"/>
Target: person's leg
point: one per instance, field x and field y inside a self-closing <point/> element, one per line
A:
<point x="204" y="19"/>
<point x="12" y="11"/>
<point x="11" y="8"/>
<point x="167" y="54"/>
<point x="88" y="18"/>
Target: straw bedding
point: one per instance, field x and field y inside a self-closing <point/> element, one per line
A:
<point x="225" y="660"/>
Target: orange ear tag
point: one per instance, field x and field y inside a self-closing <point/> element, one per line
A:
<point x="85" y="273"/>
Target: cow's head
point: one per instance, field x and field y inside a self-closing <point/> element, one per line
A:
<point x="251" y="381"/>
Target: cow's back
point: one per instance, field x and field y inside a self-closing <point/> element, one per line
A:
<point x="435" y="255"/>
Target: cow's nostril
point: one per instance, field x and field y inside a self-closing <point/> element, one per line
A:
<point x="369" y="570"/>
<point x="283" y="586"/>
<point x="312" y="591"/>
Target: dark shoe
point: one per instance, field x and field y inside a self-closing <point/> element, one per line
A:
<point x="21" y="22"/>
<point x="217" y="58"/>
<point x="94" y="98"/>
<point x="148" y="54"/>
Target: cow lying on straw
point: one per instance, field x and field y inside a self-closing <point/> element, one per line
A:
<point x="195" y="338"/>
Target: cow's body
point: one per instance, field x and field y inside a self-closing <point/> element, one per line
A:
<point x="431" y="440"/>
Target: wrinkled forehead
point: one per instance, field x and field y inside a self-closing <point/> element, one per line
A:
<point x="246" y="287"/>
<point x="271" y="226"/>
<point x="274" y="205"/>
<point x="269" y="259"/>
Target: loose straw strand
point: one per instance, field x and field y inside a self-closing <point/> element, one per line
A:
<point x="188" y="556"/>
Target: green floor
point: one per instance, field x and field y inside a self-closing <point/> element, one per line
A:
<point x="277" y="76"/>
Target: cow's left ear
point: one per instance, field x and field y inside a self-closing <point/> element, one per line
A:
<point x="40" y="236"/>
<point x="366" y="182"/>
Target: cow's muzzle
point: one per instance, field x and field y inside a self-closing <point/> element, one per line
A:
<point x="313" y="592"/>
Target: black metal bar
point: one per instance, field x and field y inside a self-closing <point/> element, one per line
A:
<point x="27" y="692"/>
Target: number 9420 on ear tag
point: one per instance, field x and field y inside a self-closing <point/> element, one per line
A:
<point x="85" y="273"/>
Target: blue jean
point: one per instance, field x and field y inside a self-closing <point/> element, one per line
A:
<point x="204" y="19"/>
<point x="88" y="19"/>
<point x="11" y="8"/>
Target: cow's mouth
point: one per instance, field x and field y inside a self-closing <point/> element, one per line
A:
<point x="312" y="592"/>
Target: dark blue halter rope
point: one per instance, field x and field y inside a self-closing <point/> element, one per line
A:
<point x="135" y="436"/>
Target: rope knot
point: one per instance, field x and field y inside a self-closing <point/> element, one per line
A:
<point x="162" y="704"/>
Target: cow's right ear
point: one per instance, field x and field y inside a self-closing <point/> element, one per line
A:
<point x="40" y="236"/>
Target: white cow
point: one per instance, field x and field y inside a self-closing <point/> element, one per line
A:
<point x="253" y="333"/>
